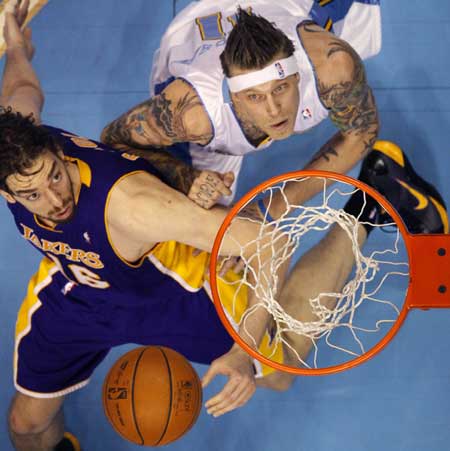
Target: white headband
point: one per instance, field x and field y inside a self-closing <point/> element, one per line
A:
<point x="278" y="70"/>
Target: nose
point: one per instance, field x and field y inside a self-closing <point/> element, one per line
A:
<point x="272" y="106"/>
<point x="55" y="199"/>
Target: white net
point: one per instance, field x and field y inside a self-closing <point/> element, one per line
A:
<point x="337" y="325"/>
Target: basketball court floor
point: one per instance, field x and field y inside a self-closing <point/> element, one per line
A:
<point x="93" y="59"/>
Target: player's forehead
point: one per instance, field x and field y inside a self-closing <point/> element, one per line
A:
<point x="263" y="87"/>
<point x="35" y="175"/>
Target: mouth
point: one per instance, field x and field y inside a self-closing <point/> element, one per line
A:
<point x="64" y="213"/>
<point x="280" y="126"/>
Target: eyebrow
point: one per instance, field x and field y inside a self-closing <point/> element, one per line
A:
<point x="257" y="91"/>
<point x="32" y="190"/>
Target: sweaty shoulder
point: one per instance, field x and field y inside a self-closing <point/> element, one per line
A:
<point x="189" y="114"/>
<point x="126" y="194"/>
<point x="133" y="197"/>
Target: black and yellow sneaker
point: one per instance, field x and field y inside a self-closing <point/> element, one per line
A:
<point x="68" y="443"/>
<point x="387" y="169"/>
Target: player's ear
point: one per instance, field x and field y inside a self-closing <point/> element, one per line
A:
<point x="7" y="196"/>
<point x="234" y="97"/>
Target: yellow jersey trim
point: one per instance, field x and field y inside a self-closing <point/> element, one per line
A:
<point x="85" y="172"/>
<point x="265" y="141"/>
<point x="44" y="226"/>
<point x="177" y="260"/>
<point x="31" y="303"/>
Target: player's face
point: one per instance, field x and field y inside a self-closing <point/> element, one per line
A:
<point x="46" y="189"/>
<point x="271" y="107"/>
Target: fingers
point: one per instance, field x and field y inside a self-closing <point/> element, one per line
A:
<point x="11" y="28"/>
<point x="196" y="252"/>
<point x="209" y="376"/>
<point x="22" y="11"/>
<point x="228" y="179"/>
<point x="235" y="401"/>
<point x="219" y="182"/>
<point x="237" y="391"/>
<point x="19" y="10"/>
<point x="239" y="266"/>
<point x="234" y="263"/>
<point x="14" y="19"/>
<point x="239" y="387"/>
<point x="225" y="266"/>
<point x="209" y="187"/>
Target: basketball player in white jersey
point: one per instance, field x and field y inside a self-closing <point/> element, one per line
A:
<point x="284" y="74"/>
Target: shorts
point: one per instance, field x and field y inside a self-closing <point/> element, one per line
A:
<point x="60" y="342"/>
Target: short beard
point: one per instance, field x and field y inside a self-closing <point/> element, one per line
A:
<point x="68" y="219"/>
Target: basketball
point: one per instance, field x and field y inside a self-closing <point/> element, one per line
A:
<point x="152" y="396"/>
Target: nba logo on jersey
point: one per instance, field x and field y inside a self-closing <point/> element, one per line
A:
<point x="306" y="113"/>
<point x="280" y="70"/>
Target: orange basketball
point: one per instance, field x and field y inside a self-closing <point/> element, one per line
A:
<point x="152" y="396"/>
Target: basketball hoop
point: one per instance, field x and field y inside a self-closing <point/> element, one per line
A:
<point x="423" y="270"/>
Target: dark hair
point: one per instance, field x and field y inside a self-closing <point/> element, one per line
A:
<point x="253" y="43"/>
<point x="21" y="142"/>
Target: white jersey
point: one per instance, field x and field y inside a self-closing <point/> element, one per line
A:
<point x="190" y="50"/>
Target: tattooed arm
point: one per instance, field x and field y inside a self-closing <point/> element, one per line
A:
<point x="175" y="172"/>
<point x="343" y="89"/>
<point x="175" y="115"/>
<point x="205" y="188"/>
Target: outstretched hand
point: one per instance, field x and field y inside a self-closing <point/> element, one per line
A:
<point x="209" y="187"/>
<point x="13" y="34"/>
<point x="241" y="385"/>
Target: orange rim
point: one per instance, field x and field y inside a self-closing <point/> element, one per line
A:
<point x="213" y="266"/>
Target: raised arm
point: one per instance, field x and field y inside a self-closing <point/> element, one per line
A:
<point x="144" y="211"/>
<point x="20" y="87"/>
<point x="205" y="187"/>
<point x="343" y="89"/>
<point x="175" y="115"/>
